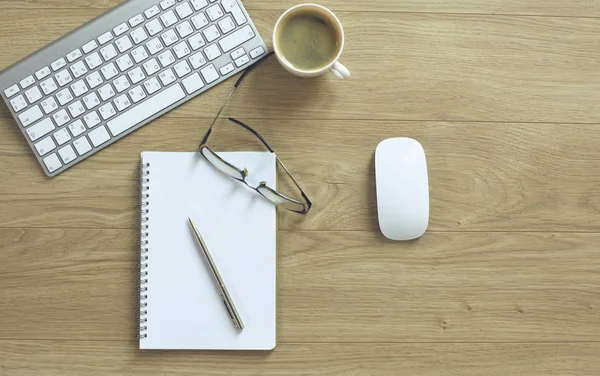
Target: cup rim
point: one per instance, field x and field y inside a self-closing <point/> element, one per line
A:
<point x="289" y="65"/>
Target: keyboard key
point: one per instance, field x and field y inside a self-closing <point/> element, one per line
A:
<point x="199" y="4"/>
<point x="227" y="5"/>
<point x="39" y="130"/>
<point x="52" y="163"/>
<point x="105" y="38"/>
<point x="124" y="62"/>
<point x="154" y="46"/>
<point x="193" y="83"/>
<point x="107" y="111"/>
<point x="49" y="105"/>
<point x="215" y="12"/>
<point x="152" y="106"/>
<point x="197" y="60"/>
<point x="167" y="4"/>
<point x="184" y="10"/>
<point x="182" y="69"/>
<point x="212" y="52"/>
<point x="78" y="69"/>
<point x="122" y="102"/>
<point x="93" y="61"/>
<point x="49" y="86"/>
<point x="99" y="136"/>
<point x="121" y="83"/>
<point x="124" y="44"/>
<point x="91" y="100"/>
<point x="137" y="94"/>
<point x="211" y="33"/>
<point x="199" y="21"/>
<point x="94" y="80"/>
<point x="139" y="54"/>
<point x="121" y="29"/>
<point x="167" y="77"/>
<point x="67" y="154"/>
<point x="109" y="71"/>
<point x="210" y="74"/>
<point x="89" y="47"/>
<point x="62" y="136"/>
<point x="151" y="67"/>
<point x="33" y="95"/>
<point x="76" y="128"/>
<point x="242" y="61"/>
<point x="257" y="52"/>
<point x="238" y="53"/>
<point x="109" y="52"/>
<point x="27" y="82"/>
<point x="76" y="109"/>
<point x="11" y="91"/>
<point x="226" y="69"/>
<point x="236" y="38"/>
<point x="136" y="75"/>
<point x="139" y="35"/>
<point x="184" y="29"/>
<point x="151" y="12"/>
<point x="169" y="37"/>
<point x="42" y="73"/>
<point x="106" y="92"/>
<point x="238" y="14"/>
<point x="169" y="19"/>
<point x="74" y="55"/>
<point x="152" y="86"/>
<point x="64" y="96"/>
<point x="154" y="27"/>
<point x="58" y="64"/>
<point x="31" y="116"/>
<point x="139" y="19"/>
<point x="45" y="146"/>
<point x="63" y="78"/>
<point x="226" y="25"/>
<point x="18" y="103"/>
<point x="196" y="41"/>
<point x="79" y="88"/>
<point x="181" y="50"/>
<point x="82" y="145"/>
<point x="61" y="117"/>
<point x="92" y="119"/>
<point x="166" y="58"/>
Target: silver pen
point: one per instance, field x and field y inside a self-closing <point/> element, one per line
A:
<point x="227" y="302"/>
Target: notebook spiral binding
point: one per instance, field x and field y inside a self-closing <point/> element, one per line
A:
<point x="144" y="225"/>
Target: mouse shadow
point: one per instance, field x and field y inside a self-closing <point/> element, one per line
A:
<point x="371" y="186"/>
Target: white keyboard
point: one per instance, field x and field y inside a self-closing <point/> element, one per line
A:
<point x="92" y="87"/>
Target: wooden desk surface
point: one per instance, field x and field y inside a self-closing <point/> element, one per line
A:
<point x="504" y="95"/>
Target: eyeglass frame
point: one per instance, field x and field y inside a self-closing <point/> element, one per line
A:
<point x="307" y="204"/>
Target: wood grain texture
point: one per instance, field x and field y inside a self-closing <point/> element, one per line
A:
<point x="109" y="358"/>
<point x="503" y="94"/>
<point x="334" y="287"/>
<point x="484" y="177"/>
<point x="430" y="67"/>
<point x="582" y="8"/>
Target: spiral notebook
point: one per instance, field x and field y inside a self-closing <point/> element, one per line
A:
<point x="180" y="305"/>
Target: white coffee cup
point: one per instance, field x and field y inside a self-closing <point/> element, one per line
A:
<point x="337" y="68"/>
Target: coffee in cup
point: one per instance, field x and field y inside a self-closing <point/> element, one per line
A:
<point x="309" y="40"/>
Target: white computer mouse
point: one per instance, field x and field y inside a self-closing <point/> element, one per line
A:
<point x="402" y="188"/>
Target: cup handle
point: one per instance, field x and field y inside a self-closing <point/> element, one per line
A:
<point x="340" y="71"/>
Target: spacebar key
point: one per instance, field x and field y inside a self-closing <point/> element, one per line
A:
<point x="145" y="110"/>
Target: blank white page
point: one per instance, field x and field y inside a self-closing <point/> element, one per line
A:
<point x="184" y="307"/>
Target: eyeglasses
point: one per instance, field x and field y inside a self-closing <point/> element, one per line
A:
<point x="301" y="206"/>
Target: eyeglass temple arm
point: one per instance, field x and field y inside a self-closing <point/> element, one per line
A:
<point x="248" y="128"/>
